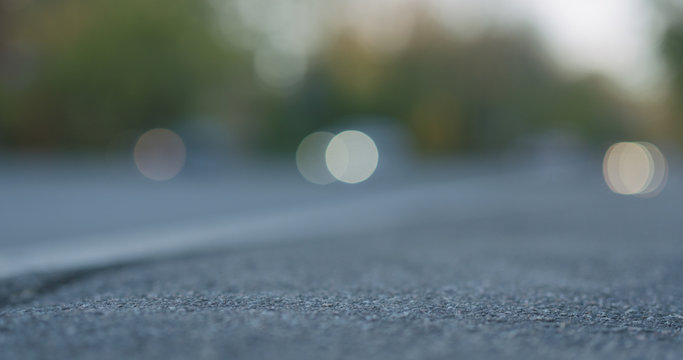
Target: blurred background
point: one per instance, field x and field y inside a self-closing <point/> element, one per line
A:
<point x="215" y="98"/>
<point x="251" y="77"/>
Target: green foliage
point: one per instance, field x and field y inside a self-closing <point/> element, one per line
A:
<point x="672" y="51"/>
<point x="102" y="66"/>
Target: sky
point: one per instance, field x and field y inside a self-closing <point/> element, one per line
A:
<point x="615" y="37"/>
<point x="618" y="37"/>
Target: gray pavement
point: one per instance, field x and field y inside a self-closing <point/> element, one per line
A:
<point x="544" y="265"/>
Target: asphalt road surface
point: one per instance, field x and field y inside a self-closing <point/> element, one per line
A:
<point x="539" y="264"/>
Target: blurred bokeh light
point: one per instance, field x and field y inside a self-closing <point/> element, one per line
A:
<point x="160" y="154"/>
<point x="351" y="156"/>
<point x="310" y="158"/>
<point x="660" y="171"/>
<point x="633" y="168"/>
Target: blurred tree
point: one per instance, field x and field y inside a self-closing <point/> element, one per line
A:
<point x="672" y="50"/>
<point x="454" y="96"/>
<point x="102" y="66"/>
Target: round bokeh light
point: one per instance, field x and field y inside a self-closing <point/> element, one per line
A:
<point x="635" y="168"/>
<point x="351" y="156"/>
<point x="159" y="154"/>
<point x="310" y="158"/>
